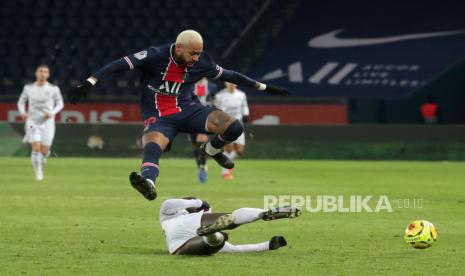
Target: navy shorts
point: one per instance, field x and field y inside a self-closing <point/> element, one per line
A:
<point x="191" y="120"/>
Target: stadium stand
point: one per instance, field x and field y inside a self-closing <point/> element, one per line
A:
<point x="76" y="37"/>
<point x="380" y="83"/>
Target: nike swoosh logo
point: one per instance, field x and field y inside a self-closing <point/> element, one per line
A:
<point x="329" y="40"/>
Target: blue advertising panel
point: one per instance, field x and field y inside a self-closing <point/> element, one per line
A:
<point x="383" y="49"/>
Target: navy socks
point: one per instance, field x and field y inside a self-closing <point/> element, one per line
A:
<point x="149" y="168"/>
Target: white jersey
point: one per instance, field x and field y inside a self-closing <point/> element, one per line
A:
<point x="41" y="99"/>
<point x="235" y="104"/>
<point x="177" y="223"/>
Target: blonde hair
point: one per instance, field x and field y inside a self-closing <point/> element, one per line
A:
<point x="42" y="65"/>
<point x="188" y="36"/>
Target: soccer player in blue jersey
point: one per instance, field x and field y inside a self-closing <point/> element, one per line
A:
<point x="167" y="106"/>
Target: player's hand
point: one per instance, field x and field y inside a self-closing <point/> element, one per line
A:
<point x="79" y="92"/>
<point x="48" y="115"/>
<point x="205" y="206"/>
<point x="23" y="116"/>
<point x="276" y="90"/>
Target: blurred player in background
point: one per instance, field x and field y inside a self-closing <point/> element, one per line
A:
<point x="44" y="102"/>
<point x="191" y="229"/>
<point x="204" y="90"/>
<point x="169" y="75"/>
<point x="429" y="111"/>
<point x="234" y="102"/>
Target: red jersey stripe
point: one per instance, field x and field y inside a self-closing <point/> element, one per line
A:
<point x="166" y="105"/>
<point x="174" y="73"/>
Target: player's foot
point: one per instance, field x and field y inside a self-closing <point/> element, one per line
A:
<point x="203" y="175"/>
<point x="228" y="176"/>
<point x="282" y="212"/>
<point x="144" y="186"/>
<point x="277" y="242"/>
<point x="221" y="223"/>
<point x="222" y="159"/>
<point x="39" y="176"/>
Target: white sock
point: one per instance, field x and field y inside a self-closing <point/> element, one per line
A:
<point x="231" y="248"/>
<point x="211" y="150"/>
<point x="247" y="215"/>
<point x="36" y="158"/>
<point x="233" y="155"/>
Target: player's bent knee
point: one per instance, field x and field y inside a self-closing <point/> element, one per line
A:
<point x="36" y="146"/>
<point x="157" y="138"/>
<point x="234" y="130"/>
<point x="218" y="121"/>
<point x="214" y="239"/>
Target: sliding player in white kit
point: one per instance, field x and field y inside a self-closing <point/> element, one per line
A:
<point x="44" y="102"/>
<point x="234" y="102"/>
<point x="191" y="229"/>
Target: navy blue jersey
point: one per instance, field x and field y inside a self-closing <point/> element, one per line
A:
<point x="167" y="85"/>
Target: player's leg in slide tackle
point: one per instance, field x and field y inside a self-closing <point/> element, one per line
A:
<point x="212" y="239"/>
<point x="159" y="135"/>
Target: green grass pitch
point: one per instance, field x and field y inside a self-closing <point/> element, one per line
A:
<point x="85" y="218"/>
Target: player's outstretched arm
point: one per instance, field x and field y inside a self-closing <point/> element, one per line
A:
<point x="82" y="89"/>
<point x="123" y="64"/>
<point x="171" y="206"/>
<point x="242" y="80"/>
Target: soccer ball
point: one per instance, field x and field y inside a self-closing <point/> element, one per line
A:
<point x="420" y="234"/>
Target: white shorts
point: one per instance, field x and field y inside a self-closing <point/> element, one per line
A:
<point x="180" y="229"/>
<point x="240" y="140"/>
<point x="43" y="133"/>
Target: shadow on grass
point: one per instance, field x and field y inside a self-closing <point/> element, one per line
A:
<point x="153" y="251"/>
<point x="142" y="251"/>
